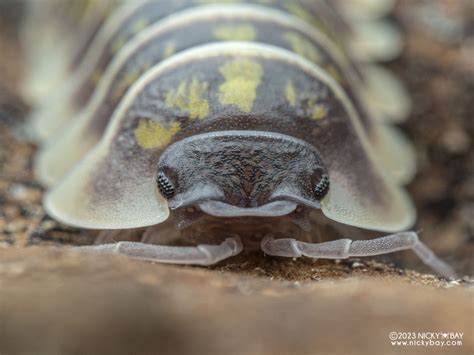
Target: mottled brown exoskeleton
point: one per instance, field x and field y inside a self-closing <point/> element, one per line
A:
<point x="209" y="127"/>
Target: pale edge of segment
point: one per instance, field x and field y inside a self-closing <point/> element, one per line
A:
<point x="375" y="41"/>
<point x="365" y="9"/>
<point x="385" y="94"/>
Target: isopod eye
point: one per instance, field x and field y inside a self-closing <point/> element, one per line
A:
<point x="322" y="186"/>
<point x="165" y="185"/>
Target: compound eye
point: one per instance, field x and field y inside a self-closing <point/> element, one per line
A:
<point x="165" y="185"/>
<point x="322" y="186"/>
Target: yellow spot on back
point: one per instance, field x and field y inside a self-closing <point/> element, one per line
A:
<point x="118" y="44"/>
<point x="242" y="77"/>
<point x="198" y="107"/>
<point x="190" y="98"/>
<point x="169" y="50"/>
<point x="150" y="134"/>
<point x="176" y="98"/>
<point x="319" y="111"/>
<point x="299" y="11"/>
<point x="139" y="25"/>
<point x="290" y="93"/>
<point x="127" y="81"/>
<point x="334" y="72"/>
<point x="302" y="46"/>
<point x="235" y="33"/>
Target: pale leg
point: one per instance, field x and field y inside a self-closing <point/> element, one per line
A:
<point x="346" y="248"/>
<point x="202" y="254"/>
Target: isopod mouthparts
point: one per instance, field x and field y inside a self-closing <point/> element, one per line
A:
<point x="272" y="209"/>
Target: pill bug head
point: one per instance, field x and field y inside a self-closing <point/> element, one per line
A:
<point x="242" y="173"/>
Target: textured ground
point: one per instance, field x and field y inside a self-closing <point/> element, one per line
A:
<point x="53" y="300"/>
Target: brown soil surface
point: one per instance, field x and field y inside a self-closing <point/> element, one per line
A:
<point x="56" y="301"/>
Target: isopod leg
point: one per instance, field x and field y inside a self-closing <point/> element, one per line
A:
<point x="346" y="248"/>
<point x="202" y="254"/>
